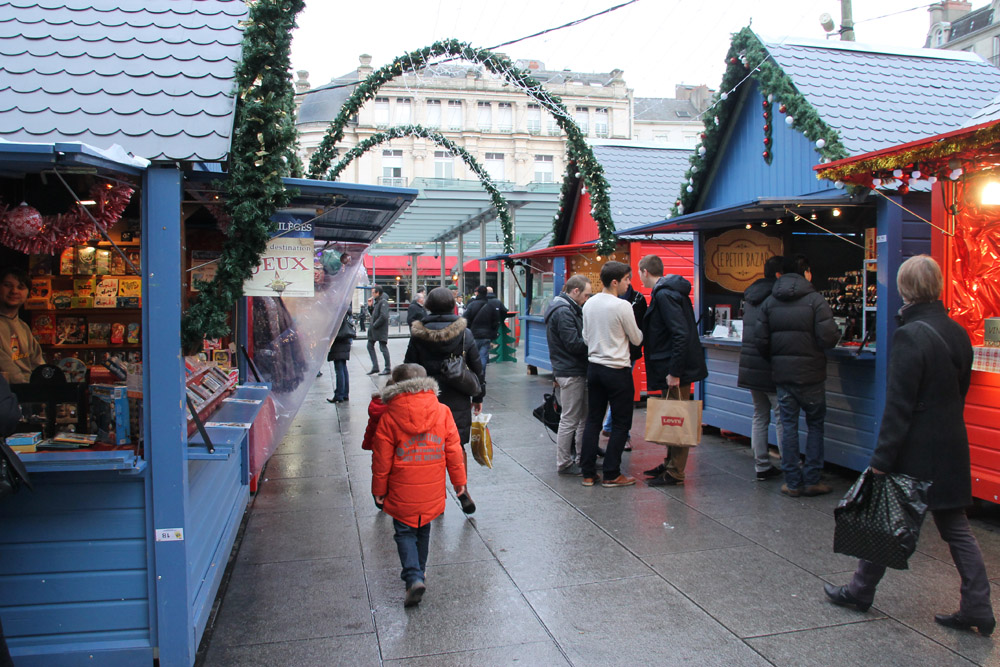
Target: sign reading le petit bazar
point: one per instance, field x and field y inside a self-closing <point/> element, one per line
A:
<point x="736" y="258"/>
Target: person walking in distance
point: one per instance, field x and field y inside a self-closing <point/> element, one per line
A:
<point x="416" y="311"/>
<point x="568" y="356"/>
<point x="755" y="371"/>
<point x="923" y="434"/>
<point x="608" y="327"/>
<point x="378" y="332"/>
<point x="794" y="328"/>
<point x="674" y="356"/>
<point x="485" y="314"/>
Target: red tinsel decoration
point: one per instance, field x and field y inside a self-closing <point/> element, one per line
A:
<point x="75" y="226"/>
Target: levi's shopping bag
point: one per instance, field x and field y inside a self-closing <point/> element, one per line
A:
<point x="673" y="422"/>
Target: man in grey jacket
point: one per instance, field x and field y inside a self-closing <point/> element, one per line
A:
<point x="794" y="328"/>
<point x="568" y="355"/>
<point x="378" y="332"/>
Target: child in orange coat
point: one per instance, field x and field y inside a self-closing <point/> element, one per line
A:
<point x="415" y="442"/>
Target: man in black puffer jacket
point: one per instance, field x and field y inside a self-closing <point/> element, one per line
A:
<point x="755" y="371"/>
<point x="674" y="356"/>
<point x="794" y="328"/>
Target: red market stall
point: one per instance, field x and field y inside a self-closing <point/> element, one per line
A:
<point x="964" y="169"/>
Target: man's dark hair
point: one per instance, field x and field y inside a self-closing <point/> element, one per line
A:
<point x="440" y="301"/>
<point x="773" y="266"/>
<point x="613" y="271"/>
<point x="376" y="291"/>
<point x="20" y="274"/>
<point x="481" y="290"/>
<point x="652" y="265"/>
<point x="796" y="264"/>
<point x="575" y="282"/>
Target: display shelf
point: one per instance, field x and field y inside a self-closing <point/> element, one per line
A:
<point x="93" y="346"/>
<point x="240" y="407"/>
<point x="85" y="311"/>
<point x="67" y="460"/>
<point x="210" y="404"/>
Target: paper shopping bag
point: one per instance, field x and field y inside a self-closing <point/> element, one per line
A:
<point x="673" y="422"/>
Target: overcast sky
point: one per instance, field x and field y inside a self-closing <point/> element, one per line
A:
<point x="658" y="43"/>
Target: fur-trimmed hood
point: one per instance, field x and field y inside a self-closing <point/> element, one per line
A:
<point x="447" y="333"/>
<point x="412" y="386"/>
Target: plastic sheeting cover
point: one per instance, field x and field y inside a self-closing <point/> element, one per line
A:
<point x="975" y="269"/>
<point x="291" y="336"/>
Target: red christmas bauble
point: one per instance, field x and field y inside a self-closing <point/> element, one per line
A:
<point x="767" y="115"/>
<point x="767" y="141"/>
<point x="24" y="221"/>
<point x="766" y="155"/>
<point x="764" y="104"/>
<point x="733" y="60"/>
<point x="767" y="128"/>
<point x="782" y="108"/>
<point x="903" y="188"/>
<point x="704" y="135"/>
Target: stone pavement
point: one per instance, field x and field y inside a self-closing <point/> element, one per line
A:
<point x="721" y="571"/>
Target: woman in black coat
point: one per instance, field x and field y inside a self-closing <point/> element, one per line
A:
<point x="340" y="354"/>
<point x="923" y="435"/>
<point x="439" y="336"/>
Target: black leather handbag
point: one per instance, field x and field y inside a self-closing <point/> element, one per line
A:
<point x="549" y="413"/>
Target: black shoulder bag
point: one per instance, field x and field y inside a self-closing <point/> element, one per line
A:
<point x="457" y="374"/>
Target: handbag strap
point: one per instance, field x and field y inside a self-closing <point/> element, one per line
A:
<point x="937" y="335"/>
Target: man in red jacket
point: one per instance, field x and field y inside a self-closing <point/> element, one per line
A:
<point x="415" y="441"/>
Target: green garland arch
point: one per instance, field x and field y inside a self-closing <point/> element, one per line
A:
<point x="263" y="151"/>
<point x="499" y="201"/>
<point x="745" y="52"/>
<point x="586" y="165"/>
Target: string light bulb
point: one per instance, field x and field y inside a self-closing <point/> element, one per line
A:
<point x="990" y="194"/>
<point x="812" y="216"/>
<point x="836" y="212"/>
<point x="749" y="226"/>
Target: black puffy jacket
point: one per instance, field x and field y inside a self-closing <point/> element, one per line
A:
<point x="794" y="328"/>
<point x="432" y="341"/>
<point x="485" y="315"/>
<point x="755" y="370"/>
<point x="670" y="335"/>
<point x="564" y="331"/>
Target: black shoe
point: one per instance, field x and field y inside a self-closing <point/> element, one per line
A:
<point x="600" y="452"/>
<point x="319" y="374"/>
<point x="664" y="480"/>
<point x="840" y="596"/>
<point x="657" y="471"/>
<point x="333" y="400"/>
<point x="386" y="372"/>
<point x="957" y="621"/>
<point x="414" y="594"/>
<point x="768" y="474"/>
<point x="468" y="506"/>
<point x="628" y="446"/>
<point x="373" y="371"/>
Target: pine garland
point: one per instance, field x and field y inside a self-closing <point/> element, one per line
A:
<point x="499" y="202"/>
<point x="263" y="152"/>
<point x="499" y="65"/>
<point x="745" y="52"/>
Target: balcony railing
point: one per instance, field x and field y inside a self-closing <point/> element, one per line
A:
<point x="393" y="181"/>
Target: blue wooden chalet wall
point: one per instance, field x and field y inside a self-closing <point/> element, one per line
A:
<point x="740" y="171"/>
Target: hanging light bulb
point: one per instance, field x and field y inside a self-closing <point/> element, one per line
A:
<point x="932" y="179"/>
<point x="763" y="224"/>
<point x="778" y="221"/>
<point x="812" y="216"/>
<point x="990" y="194"/>
<point x="836" y="212"/>
<point x="876" y="182"/>
<point x="839" y="185"/>
<point x="915" y="175"/>
<point x="749" y="226"/>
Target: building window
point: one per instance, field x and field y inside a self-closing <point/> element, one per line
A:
<point x="939" y="37"/>
<point x="484" y="118"/>
<point x="582" y="118"/>
<point x="601" y="123"/>
<point x="454" y="114"/>
<point x="494" y="166"/>
<point x="444" y="165"/>
<point x="434" y="113"/>
<point x="404" y="111"/>
<point x="381" y="112"/>
<point x="534" y="119"/>
<point x="543" y="169"/>
<point x="392" y="168"/>
<point x="553" y="127"/>
<point x="505" y="117"/>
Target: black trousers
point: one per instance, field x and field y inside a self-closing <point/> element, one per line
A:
<point x="607" y="386"/>
<point x="954" y="528"/>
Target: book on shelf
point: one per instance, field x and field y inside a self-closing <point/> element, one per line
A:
<point x="86" y="260"/>
<point x="132" y="333"/>
<point x="69" y="437"/>
<point x="84" y="289"/>
<point x="103" y="261"/>
<point x="117" y="333"/>
<point x="67" y="262"/>
<point x="43" y="328"/>
<point x="62" y="298"/>
<point x="98" y="333"/>
<point x="20" y="439"/>
<point x="130" y="286"/>
<point x="71" y="330"/>
<point x="106" y="293"/>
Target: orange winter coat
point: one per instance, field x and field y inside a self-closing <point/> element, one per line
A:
<point x="415" y="441"/>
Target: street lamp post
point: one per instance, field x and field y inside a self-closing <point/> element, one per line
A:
<point x="397" y="303"/>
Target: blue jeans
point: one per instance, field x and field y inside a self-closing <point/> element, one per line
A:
<point x="483" y="345"/>
<point x="412" y="544"/>
<point x="342" y="386"/>
<point x="811" y="399"/>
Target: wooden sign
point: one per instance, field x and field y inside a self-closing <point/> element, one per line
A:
<point x="736" y="259"/>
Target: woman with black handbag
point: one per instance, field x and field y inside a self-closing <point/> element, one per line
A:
<point x="437" y="343"/>
<point x="923" y="435"/>
<point x="340" y="354"/>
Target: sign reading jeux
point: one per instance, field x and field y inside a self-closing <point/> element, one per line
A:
<point x="286" y="267"/>
<point x="736" y="259"/>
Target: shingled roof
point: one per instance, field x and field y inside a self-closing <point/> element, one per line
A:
<point x="644" y="181"/>
<point x="877" y="97"/>
<point x="154" y="77"/>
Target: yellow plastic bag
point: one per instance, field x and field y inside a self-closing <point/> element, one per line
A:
<point x="482" y="444"/>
